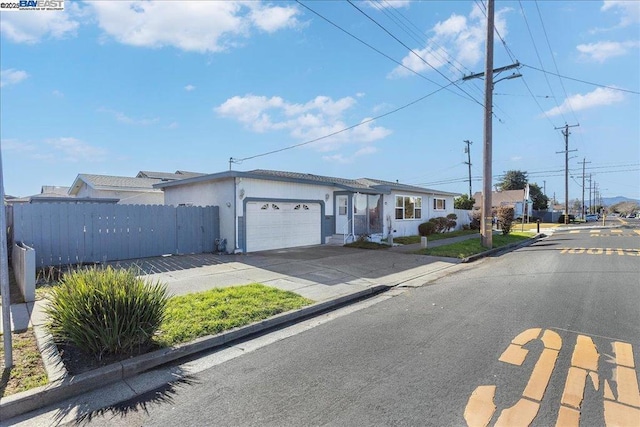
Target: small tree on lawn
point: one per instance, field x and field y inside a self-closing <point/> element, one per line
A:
<point x="505" y="216"/>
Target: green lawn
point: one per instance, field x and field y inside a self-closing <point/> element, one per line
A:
<point x="207" y="313"/>
<point x="407" y="240"/>
<point x="473" y="246"/>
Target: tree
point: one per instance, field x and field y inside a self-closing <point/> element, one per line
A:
<point x="540" y="201"/>
<point x="464" y="202"/>
<point x="513" y="180"/>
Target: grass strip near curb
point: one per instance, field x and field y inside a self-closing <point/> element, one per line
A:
<point x="408" y="240"/>
<point x="473" y="246"/>
<point x="208" y="313"/>
<point x="28" y="370"/>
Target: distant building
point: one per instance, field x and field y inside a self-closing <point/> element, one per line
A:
<point x="512" y="198"/>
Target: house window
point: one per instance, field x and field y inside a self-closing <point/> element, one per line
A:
<point x="408" y="207"/>
<point x="342" y="205"/>
<point x="439" y="204"/>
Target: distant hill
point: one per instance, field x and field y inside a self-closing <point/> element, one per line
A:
<point x="608" y="201"/>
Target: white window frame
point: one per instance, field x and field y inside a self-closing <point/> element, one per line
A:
<point x="404" y="199"/>
<point x="435" y="204"/>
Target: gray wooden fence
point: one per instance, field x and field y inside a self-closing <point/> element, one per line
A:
<point x="65" y="233"/>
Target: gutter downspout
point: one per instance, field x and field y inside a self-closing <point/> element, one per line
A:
<point x="236" y="249"/>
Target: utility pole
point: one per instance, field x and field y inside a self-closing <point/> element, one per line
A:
<point x="467" y="150"/>
<point x="584" y="162"/>
<point x="590" y="204"/>
<point x="565" y="132"/>
<point x="4" y="279"/>
<point x="544" y="187"/>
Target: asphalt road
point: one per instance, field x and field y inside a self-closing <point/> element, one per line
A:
<point x="548" y="333"/>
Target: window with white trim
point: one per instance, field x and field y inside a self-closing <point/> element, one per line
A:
<point x="408" y="207"/>
<point x="439" y="204"/>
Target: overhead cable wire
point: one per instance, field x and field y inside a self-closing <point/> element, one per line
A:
<point x="419" y="37"/>
<point x="555" y="64"/>
<point x="414" y="53"/>
<point x="379" y="51"/>
<point x="234" y="160"/>
<point x="582" y="81"/>
<point x="535" y="48"/>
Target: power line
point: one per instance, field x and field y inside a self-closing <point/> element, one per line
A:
<point x="535" y="48"/>
<point x="582" y="81"/>
<point x="234" y="160"/>
<point x="413" y="52"/>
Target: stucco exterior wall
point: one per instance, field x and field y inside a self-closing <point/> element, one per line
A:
<point x="254" y="188"/>
<point x="409" y="227"/>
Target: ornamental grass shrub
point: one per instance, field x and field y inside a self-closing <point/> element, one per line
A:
<point x="106" y="311"/>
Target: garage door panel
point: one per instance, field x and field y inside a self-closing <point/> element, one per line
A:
<point x="277" y="225"/>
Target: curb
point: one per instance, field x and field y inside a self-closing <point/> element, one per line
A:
<point x="506" y="248"/>
<point x="64" y="386"/>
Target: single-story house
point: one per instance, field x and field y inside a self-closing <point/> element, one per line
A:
<point x="136" y="190"/>
<point x="265" y="209"/>
<point x="512" y="198"/>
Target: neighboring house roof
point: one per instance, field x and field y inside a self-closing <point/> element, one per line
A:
<point x="53" y="191"/>
<point x="500" y="198"/>
<point x="168" y="176"/>
<point x="113" y="183"/>
<point x="364" y="185"/>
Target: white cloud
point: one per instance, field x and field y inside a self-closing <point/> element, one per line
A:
<point x="75" y="150"/>
<point x="189" y="88"/>
<point x="458" y="39"/>
<point x="173" y="125"/>
<point x="312" y="120"/>
<point x="11" y="76"/>
<point x="11" y="144"/>
<point x="213" y="26"/>
<point x="628" y="11"/>
<point x="602" y="51"/>
<point x="123" y="118"/>
<point x="600" y="96"/>
<point x="21" y="27"/>
<point x="272" y="18"/>
<point x="389" y="4"/>
<point x="57" y="93"/>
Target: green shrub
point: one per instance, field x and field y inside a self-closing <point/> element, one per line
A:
<point x="441" y="224"/>
<point x="451" y="221"/>
<point x="426" y="228"/>
<point x="106" y="311"/>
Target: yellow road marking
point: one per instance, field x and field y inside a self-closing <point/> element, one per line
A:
<point x="594" y="231"/>
<point x="616" y="231"/>
<point x="541" y="374"/>
<point x="574" y="388"/>
<point x="574" y="231"/>
<point x="595" y="251"/>
<point x="526" y="336"/>
<point x="514" y="355"/>
<point x="480" y="408"/>
<point x="616" y="414"/>
<point x="624" y="354"/>
<point x="568" y="417"/>
<point x="552" y="340"/>
<point x="520" y="414"/>
<point x="627" y="386"/>
<point x="585" y="354"/>
<point x="636" y="231"/>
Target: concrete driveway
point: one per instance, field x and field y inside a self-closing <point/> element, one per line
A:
<point x="317" y="272"/>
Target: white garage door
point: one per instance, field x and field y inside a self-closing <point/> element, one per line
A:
<point x="276" y="225"/>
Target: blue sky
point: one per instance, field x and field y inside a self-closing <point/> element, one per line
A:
<point x="117" y="87"/>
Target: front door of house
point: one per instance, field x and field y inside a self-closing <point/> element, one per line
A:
<point x="342" y="214"/>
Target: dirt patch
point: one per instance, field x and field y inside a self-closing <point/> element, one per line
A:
<point x="76" y="361"/>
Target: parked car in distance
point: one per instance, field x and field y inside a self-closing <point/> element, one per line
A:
<point x="572" y="219"/>
<point x="591" y="218"/>
<point x="631" y="215"/>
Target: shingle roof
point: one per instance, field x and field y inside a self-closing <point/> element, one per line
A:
<point x="123" y="182"/>
<point x="365" y="185"/>
<point x="168" y="176"/>
<point x="500" y="198"/>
